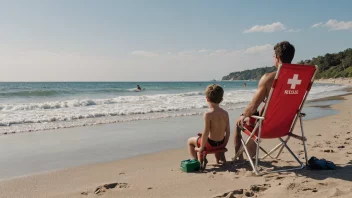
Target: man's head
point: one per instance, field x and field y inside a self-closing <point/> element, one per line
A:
<point x="284" y="53"/>
<point x="214" y="93"/>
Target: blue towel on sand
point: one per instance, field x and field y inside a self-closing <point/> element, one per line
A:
<point x="320" y="164"/>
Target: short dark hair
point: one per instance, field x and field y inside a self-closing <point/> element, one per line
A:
<point x="214" y="93"/>
<point x="285" y="51"/>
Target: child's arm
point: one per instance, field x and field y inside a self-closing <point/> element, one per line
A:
<point x="227" y="131"/>
<point x="205" y="133"/>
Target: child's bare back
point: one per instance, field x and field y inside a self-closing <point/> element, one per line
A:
<point x="218" y="120"/>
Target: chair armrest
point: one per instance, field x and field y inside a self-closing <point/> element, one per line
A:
<point x="258" y="117"/>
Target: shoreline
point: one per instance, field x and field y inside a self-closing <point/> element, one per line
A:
<point x="164" y="178"/>
<point x="340" y="81"/>
<point x="88" y="122"/>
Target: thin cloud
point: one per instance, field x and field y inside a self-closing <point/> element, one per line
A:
<point x="259" y="49"/>
<point x="293" y="30"/>
<point x="145" y="54"/>
<point x="335" y="25"/>
<point x="269" y="28"/>
<point x="317" y="25"/>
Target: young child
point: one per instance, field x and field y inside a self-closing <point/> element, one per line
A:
<point x="216" y="131"/>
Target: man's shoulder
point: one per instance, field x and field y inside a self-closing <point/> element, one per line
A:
<point x="268" y="77"/>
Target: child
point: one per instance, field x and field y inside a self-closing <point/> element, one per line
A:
<point x="216" y="131"/>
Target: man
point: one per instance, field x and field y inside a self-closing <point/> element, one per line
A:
<point x="284" y="53"/>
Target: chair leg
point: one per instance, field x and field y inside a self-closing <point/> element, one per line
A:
<point x="249" y="158"/>
<point x="304" y="142"/>
<point x="239" y="152"/>
<point x="289" y="150"/>
<point x="266" y="153"/>
<point x="282" y="147"/>
<point x="257" y="155"/>
<point x="258" y="146"/>
<point x="203" y="162"/>
<point x="272" y="151"/>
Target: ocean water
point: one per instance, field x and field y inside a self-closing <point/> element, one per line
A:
<point x="40" y="106"/>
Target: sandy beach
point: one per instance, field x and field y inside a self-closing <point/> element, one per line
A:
<point x="341" y="81"/>
<point x="159" y="174"/>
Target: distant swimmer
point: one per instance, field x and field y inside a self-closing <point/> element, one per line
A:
<point x="138" y="87"/>
<point x="244" y="85"/>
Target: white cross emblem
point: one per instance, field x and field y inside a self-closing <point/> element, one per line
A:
<point x="294" y="81"/>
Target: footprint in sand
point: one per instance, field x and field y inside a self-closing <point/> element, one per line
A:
<point x="102" y="189"/>
<point x="105" y="187"/>
<point x="254" y="189"/>
<point x="272" y="176"/>
<point x="329" y="151"/>
<point x="310" y="189"/>
<point x="260" y="188"/>
<point x="291" y="186"/>
<point x="231" y="194"/>
<point x="316" y="145"/>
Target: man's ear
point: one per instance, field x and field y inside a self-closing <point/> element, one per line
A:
<point x="278" y="59"/>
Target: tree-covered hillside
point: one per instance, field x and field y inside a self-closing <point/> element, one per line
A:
<point x="333" y="65"/>
<point x="330" y="66"/>
<point x="253" y="74"/>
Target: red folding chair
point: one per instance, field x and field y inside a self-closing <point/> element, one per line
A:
<point x="203" y="155"/>
<point x="286" y="98"/>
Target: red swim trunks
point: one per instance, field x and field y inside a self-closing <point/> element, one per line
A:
<point x="212" y="145"/>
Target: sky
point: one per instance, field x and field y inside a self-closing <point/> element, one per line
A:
<point x="161" y="40"/>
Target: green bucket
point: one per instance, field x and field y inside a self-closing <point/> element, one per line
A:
<point x="190" y="165"/>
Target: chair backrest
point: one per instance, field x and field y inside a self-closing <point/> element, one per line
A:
<point x="287" y="96"/>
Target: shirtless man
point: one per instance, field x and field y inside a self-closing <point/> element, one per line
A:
<point x="284" y="53"/>
<point x="216" y="131"/>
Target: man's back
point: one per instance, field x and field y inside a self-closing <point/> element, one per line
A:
<point x="268" y="80"/>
